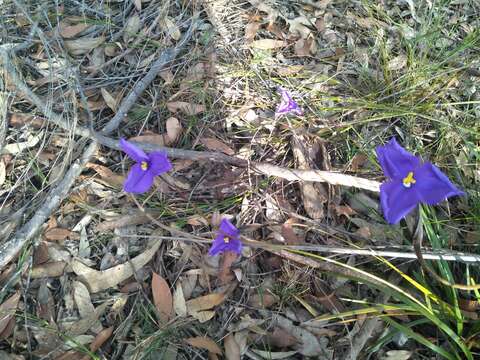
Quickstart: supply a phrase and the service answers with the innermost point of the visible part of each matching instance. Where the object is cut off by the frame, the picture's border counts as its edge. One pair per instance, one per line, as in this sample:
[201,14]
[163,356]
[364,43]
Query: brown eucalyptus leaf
[203,342]
[216,145]
[232,350]
[162,297]
[68,31]
[205,302]
[7,310]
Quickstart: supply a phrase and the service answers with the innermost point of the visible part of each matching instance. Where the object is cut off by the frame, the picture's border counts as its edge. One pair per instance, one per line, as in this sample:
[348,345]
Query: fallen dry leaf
[216,145]
[81,326]
[314,195]
[154,139]
[277,355]
[50,269]
[205,302]
[174,129]
[179,304]
[125,220]
[57,234]
[167,76]
[203,316]
[203,342]
[262,301]
[232,350]
[84,304]
[291,238]
[344,210]
[132,27]
[40,254]
[20,119]
[267,44]
[300,25]
[16,148]
[69,31]
[185,107]
[225,272]
[100,339]
[109,99]
[7,310]
[251,30]
[169,26]
[162,297]
[8,331]
[101,280]
[84,45]
[107,175]
[281,338]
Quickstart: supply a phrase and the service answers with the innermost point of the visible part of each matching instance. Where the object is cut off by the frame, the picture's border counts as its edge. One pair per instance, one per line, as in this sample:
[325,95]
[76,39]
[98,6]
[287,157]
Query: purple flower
[287,105]
[410,182]
[227,239]
[140,177]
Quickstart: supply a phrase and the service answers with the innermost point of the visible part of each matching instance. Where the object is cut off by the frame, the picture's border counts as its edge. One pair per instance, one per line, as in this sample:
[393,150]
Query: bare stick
[10,248]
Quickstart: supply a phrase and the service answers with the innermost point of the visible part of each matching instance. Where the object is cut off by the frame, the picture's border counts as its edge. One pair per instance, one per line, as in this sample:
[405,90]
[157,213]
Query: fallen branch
[10,249]
[330,177]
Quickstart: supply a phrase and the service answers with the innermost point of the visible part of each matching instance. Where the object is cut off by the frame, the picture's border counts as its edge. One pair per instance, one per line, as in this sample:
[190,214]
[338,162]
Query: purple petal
[396,162]
[235,245]
[219,245]
[227,228]
[133,151]
[158,163]
[432,185]
[397,200]
[138,180]
[287,104]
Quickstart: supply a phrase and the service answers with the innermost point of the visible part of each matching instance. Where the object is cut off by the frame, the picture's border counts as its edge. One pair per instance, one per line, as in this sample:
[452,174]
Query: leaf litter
[99,282]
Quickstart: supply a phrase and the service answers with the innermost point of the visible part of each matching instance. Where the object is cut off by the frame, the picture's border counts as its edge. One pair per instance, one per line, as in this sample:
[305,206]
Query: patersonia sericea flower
[287,105]
[227,239]
[410,182]
[141,175]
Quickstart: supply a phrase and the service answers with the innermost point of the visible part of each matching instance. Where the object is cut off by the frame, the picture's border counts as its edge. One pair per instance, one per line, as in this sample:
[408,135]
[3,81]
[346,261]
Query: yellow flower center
[144,165]
[226,239]
[409,180]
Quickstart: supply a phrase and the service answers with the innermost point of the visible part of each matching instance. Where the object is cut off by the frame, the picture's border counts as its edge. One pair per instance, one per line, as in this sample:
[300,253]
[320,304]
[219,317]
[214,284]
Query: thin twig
[10,249]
